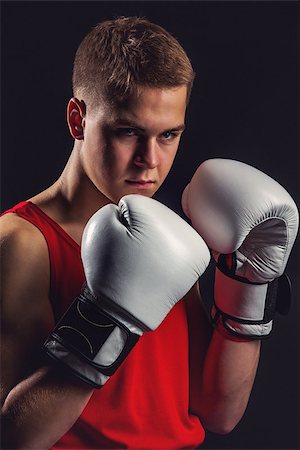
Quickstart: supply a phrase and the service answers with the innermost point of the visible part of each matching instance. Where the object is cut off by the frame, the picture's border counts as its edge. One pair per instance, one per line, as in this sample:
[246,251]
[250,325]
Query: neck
[76,190]
[73,197]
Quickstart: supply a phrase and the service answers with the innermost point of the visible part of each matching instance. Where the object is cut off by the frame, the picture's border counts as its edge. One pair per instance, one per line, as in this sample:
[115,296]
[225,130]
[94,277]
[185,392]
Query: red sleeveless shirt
[145,404]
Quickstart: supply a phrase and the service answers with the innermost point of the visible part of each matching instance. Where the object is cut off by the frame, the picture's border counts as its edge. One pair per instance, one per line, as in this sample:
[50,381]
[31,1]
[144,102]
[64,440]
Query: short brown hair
[120,55]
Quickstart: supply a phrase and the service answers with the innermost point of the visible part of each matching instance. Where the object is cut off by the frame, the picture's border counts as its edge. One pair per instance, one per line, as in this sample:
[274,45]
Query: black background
[243,106]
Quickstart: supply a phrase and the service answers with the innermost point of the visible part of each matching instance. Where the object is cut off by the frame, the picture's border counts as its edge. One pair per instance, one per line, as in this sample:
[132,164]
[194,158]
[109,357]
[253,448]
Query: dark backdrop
[243,107]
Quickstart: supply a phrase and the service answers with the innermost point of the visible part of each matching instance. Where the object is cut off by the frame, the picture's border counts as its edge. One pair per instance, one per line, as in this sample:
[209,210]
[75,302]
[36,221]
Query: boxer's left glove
[250,222]
[140,258]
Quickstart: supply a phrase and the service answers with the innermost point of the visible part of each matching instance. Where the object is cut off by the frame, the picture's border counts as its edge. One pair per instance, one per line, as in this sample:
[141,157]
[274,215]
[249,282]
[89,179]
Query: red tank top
[145,404]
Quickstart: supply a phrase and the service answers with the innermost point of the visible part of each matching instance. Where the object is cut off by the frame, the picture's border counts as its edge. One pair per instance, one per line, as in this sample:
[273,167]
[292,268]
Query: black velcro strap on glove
[83,330]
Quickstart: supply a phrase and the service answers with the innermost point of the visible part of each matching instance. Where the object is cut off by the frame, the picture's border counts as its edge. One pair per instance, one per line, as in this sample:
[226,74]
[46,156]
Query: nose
[146,155]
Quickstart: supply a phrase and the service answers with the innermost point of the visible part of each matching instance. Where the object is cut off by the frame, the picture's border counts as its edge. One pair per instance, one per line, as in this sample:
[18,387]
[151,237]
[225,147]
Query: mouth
[140,183]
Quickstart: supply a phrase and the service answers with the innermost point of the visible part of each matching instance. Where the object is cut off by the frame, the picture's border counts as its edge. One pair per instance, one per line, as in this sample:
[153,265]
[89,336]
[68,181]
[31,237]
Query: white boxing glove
[140,258]
[250,222]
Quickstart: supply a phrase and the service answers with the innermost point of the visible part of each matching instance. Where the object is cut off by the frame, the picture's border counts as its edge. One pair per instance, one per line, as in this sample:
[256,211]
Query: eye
[126,132]
[169,135]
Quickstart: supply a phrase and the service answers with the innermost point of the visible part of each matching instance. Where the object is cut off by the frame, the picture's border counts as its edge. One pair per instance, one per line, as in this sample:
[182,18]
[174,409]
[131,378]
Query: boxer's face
[131,149]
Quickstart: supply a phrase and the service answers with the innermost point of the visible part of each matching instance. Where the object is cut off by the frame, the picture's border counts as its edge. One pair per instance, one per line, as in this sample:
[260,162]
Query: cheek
[167,159]
[115,160]
[95,157]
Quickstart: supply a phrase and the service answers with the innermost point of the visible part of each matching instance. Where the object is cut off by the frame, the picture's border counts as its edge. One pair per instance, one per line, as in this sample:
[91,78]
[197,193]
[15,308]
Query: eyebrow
[131,124]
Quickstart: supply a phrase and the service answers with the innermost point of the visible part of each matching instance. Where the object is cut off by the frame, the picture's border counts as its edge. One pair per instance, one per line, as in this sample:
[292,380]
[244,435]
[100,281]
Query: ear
[76,118]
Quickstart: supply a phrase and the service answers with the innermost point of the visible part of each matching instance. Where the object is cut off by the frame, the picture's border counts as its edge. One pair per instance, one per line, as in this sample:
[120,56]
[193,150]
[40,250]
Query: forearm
[42,408]
[228,376]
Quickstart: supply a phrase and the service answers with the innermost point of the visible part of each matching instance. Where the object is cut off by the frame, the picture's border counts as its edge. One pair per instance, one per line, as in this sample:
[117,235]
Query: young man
[132,81]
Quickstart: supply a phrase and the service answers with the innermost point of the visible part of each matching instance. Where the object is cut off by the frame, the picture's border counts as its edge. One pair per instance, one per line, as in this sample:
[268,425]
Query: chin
[116,197]
[145,194]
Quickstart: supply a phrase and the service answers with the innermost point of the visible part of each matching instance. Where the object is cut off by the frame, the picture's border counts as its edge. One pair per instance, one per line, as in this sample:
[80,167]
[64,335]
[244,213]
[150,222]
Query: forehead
[151,105]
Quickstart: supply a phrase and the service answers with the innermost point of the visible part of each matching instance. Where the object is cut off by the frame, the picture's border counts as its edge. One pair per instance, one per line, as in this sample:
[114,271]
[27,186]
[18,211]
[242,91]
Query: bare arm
[39,403]
[228,372]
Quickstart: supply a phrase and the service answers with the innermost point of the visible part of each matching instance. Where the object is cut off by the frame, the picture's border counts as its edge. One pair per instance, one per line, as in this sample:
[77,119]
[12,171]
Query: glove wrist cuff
[239,300]
[247,310]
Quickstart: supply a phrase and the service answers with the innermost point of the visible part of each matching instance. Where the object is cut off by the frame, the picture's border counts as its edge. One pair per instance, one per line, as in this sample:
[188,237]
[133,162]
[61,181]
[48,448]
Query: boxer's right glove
[139,258]
[250,222]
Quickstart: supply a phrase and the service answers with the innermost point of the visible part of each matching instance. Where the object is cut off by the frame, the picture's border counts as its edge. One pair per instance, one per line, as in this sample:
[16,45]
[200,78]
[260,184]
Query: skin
[113,146]
[116,151]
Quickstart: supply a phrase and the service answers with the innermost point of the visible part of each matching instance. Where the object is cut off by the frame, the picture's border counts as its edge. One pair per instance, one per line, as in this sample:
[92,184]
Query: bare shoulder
[14,226]
[25,307]
[24,253]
